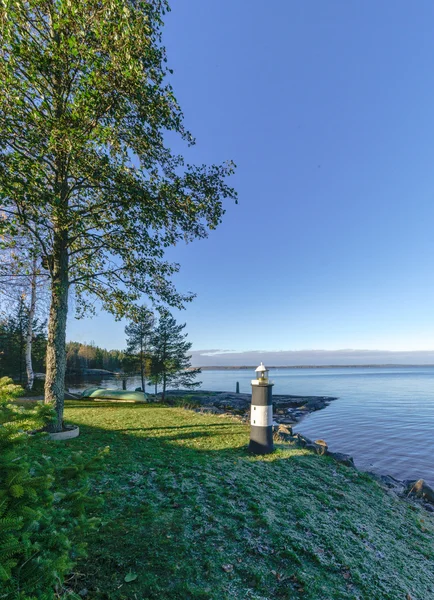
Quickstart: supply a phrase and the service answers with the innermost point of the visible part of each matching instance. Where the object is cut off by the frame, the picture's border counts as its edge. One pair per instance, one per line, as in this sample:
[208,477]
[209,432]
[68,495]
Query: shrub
[43,520]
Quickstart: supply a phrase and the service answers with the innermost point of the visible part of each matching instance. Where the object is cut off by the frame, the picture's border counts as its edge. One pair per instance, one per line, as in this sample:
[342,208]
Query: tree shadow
[208,436]
[87,403]
[182,499]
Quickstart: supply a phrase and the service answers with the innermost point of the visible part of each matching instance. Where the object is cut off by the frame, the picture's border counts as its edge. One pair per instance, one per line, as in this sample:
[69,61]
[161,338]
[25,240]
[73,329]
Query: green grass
[195,516]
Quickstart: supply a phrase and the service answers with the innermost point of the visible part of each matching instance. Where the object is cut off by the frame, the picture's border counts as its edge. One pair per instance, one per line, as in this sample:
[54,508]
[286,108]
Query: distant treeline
[13,328]
[88,356]
[156,350]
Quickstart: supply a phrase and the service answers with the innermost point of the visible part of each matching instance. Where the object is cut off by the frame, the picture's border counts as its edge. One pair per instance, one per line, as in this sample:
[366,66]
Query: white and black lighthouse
[261,413]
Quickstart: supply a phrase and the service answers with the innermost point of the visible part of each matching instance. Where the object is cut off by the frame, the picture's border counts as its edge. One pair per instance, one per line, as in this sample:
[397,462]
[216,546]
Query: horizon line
[216,352]
[349,366]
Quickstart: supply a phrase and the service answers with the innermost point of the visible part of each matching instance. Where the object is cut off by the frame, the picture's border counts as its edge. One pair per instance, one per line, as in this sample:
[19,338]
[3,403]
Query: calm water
[384,417]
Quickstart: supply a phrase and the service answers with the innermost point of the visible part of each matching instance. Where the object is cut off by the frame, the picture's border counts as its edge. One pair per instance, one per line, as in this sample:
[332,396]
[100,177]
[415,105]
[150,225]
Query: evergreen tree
[170,364]
[139,333]
[88,356]
[43,519]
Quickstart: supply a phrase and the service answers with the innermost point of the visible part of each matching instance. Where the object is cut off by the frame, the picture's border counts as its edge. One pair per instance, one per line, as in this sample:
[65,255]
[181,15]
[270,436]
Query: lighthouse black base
[261,440]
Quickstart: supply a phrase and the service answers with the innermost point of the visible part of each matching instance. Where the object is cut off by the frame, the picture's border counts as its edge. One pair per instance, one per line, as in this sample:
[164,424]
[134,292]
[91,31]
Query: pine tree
[139,333]
[170,362]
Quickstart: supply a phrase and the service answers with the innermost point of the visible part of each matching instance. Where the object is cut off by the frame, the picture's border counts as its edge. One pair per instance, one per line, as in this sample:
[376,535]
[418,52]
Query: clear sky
[327,108]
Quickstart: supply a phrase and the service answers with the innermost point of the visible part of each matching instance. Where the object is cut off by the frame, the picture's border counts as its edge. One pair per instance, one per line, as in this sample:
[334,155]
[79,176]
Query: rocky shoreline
[288,411]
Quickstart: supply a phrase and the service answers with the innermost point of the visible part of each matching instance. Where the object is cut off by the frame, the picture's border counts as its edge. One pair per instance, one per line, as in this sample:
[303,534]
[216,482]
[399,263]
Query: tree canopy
[85,170]
[84,108]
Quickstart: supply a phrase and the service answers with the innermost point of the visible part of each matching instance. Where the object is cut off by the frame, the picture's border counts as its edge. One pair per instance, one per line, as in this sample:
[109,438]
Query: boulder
[285,429]
[320,447]
[390,481]
[310,447]
[301,440]
[344,459]
[210,410]
[420,489]
[282,433]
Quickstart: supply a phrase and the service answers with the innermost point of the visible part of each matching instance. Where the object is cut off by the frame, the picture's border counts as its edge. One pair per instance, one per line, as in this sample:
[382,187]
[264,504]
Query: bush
[43,520]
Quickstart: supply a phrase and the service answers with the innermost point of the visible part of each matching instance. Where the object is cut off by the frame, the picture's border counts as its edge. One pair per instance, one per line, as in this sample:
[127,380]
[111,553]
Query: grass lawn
[193,515]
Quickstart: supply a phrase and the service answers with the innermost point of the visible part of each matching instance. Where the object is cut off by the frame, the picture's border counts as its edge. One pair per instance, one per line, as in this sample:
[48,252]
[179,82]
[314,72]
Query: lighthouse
[261,413]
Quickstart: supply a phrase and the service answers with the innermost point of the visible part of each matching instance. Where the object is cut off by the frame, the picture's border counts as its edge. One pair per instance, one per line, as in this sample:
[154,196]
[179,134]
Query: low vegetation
[189,514]
[43,522]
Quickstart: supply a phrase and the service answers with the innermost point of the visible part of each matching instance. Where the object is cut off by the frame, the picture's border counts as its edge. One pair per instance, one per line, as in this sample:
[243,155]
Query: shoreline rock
[288,409]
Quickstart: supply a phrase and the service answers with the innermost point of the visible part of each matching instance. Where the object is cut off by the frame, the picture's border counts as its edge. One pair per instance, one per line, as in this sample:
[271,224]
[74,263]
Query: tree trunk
[144,370]
[56,343]
[29,336]
[22,343]
[164,364]
[155,388]
[142,373]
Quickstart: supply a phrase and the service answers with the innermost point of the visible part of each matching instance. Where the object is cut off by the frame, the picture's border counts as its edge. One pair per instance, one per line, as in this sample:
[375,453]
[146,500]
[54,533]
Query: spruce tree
[43,522]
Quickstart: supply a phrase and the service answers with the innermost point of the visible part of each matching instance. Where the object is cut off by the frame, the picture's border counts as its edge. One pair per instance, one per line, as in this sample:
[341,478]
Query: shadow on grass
[174,427]
[87,403]
[174,431]
[195,516]
[164,484]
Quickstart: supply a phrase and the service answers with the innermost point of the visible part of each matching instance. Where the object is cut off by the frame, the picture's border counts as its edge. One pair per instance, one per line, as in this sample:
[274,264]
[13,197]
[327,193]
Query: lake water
[383,417]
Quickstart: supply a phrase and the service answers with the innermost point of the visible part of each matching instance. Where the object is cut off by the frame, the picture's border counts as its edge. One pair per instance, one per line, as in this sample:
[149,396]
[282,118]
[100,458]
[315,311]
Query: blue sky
[327,108]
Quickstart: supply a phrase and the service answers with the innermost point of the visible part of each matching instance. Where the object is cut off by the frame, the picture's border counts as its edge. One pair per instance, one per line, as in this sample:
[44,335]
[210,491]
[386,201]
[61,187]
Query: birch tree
[22,282]
[85,168]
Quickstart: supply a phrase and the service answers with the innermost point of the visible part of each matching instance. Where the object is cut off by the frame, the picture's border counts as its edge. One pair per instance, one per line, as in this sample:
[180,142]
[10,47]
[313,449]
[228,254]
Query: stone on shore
[282,433]
[321,447]
[420,489]
[344,459]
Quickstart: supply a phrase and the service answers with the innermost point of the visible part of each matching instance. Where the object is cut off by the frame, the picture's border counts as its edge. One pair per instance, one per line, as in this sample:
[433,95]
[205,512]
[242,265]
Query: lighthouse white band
[261,416]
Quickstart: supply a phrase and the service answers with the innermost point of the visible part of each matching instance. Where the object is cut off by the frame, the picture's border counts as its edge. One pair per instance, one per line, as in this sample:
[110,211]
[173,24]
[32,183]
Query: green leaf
[130,576]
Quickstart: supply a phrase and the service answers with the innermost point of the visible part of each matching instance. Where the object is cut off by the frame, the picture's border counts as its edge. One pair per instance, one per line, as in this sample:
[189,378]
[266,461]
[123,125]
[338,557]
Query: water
[384,417]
